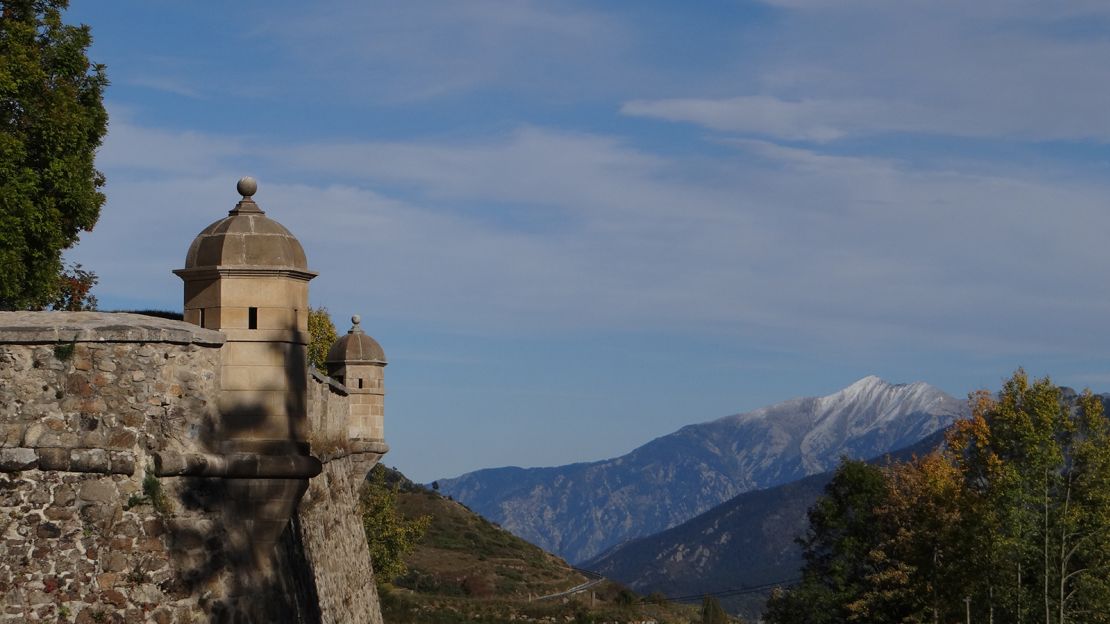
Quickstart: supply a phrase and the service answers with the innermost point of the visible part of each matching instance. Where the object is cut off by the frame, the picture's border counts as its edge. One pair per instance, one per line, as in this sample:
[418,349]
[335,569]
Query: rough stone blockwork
[89,533]
[330,530]
[71,551]
[82,538]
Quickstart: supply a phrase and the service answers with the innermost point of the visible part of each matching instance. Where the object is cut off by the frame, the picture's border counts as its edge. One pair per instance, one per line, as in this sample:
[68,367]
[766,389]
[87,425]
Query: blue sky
[575,227]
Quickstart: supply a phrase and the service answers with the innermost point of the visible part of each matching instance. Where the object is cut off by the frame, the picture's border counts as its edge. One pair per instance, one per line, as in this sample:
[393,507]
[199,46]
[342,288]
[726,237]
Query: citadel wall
[328,523]
[116,504]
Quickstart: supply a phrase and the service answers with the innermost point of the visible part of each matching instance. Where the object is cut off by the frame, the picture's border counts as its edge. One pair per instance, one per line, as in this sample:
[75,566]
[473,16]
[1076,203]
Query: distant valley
[579,511]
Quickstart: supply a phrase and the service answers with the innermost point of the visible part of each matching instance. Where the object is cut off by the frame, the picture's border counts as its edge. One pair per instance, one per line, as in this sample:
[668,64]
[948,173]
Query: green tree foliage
[321,336]
[52,121]
[1014,517]
[836,549]
[390,535]
[712,613]
[1040,468]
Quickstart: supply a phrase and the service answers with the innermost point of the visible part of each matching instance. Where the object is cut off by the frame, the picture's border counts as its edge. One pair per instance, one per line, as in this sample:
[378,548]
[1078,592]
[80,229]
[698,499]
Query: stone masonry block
[122,463]
[98,491]
[89,460]
[253,353]
[53,458]
[12,459]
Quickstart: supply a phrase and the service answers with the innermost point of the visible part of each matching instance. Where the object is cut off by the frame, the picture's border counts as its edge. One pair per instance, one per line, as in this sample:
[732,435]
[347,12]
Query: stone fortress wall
[133,490]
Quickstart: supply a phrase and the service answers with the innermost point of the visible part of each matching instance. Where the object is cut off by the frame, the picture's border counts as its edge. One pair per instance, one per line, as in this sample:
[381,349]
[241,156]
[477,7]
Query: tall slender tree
[1041,465]
[919,571]
[321,336]
[390,536]
[52,120]
[712,612]
[838,550]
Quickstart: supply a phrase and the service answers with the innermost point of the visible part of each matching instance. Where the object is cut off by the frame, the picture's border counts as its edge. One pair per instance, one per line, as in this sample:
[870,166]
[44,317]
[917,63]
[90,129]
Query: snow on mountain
[580,510]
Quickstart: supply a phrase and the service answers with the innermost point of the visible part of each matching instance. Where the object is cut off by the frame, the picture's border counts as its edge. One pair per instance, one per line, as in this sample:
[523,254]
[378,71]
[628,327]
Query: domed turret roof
[356,346]
[246,238]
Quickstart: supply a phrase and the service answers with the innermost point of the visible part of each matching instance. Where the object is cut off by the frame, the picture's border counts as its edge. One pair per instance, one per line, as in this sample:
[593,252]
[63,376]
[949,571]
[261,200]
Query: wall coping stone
[334,385]
[68,327]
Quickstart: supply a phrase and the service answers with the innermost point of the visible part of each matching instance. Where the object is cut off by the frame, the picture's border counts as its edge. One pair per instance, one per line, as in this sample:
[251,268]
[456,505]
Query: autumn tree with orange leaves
[1009,523]
[1036,471]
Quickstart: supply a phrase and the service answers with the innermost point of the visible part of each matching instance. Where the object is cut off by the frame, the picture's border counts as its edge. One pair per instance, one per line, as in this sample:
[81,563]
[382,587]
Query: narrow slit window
[360,383]
[202,317]
[252,318]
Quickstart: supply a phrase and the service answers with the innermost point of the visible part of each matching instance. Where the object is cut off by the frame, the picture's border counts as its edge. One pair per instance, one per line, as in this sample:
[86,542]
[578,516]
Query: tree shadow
[235,541]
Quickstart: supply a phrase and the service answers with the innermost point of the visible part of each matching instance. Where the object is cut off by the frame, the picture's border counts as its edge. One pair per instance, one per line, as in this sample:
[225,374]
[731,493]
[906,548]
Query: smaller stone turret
[358,362]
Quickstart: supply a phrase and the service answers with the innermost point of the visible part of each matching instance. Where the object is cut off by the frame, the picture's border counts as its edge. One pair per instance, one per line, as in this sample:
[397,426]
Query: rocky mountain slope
[745,542]
[579,510]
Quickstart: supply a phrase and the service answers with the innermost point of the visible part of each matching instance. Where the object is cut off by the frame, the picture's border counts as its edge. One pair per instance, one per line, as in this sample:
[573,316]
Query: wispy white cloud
[129,147]
[810,120]
[958,8]
[167,84]
[1019,71]
[779,245]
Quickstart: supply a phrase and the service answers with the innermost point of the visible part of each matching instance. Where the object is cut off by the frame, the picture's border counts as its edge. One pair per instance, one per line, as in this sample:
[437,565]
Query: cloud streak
[1002,70]
[781,246]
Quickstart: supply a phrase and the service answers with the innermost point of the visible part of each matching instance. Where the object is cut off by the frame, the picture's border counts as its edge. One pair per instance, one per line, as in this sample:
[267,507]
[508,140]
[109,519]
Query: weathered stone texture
[98,398]
[81,547]
[89,534]
[328,416]
[80,540]
[331,530]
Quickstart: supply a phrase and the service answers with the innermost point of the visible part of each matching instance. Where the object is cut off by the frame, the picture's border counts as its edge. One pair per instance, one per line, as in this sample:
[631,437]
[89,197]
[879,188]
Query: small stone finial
[356,319]
[356,328]
[247,187]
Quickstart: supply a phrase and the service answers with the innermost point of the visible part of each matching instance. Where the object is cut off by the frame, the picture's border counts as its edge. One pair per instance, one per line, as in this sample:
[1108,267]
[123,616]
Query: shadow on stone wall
[236,541]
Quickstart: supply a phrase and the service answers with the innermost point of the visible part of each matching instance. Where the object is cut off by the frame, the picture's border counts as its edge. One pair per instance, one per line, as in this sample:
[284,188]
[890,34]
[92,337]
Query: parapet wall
[95,528]
[328,522]
[328,414]
[93,395]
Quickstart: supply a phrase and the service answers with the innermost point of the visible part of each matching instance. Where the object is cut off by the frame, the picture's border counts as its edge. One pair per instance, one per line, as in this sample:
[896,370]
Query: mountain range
[580,510]
[746,542]
[741,547]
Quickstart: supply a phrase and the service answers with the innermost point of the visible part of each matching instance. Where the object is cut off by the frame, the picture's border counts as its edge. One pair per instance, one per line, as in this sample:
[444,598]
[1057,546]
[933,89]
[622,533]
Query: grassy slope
[470,570]
[463,554]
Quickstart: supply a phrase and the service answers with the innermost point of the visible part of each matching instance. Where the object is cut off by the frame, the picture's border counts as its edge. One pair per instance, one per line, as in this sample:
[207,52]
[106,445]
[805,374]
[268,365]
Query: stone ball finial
[247,186]
[356,328]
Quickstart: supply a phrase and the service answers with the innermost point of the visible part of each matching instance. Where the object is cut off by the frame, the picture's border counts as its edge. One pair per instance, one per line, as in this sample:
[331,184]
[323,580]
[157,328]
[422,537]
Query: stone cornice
[70,327]
[244,271]
[236,465]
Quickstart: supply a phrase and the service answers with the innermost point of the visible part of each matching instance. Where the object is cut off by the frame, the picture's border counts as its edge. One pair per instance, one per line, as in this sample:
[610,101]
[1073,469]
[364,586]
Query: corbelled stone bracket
[236,465]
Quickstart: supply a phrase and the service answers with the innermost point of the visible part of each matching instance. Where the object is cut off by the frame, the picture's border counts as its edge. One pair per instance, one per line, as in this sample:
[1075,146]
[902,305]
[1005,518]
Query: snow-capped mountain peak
[579,510]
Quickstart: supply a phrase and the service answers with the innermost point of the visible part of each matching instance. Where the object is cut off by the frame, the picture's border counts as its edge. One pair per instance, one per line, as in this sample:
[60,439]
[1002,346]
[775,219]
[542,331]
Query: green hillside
[467,569]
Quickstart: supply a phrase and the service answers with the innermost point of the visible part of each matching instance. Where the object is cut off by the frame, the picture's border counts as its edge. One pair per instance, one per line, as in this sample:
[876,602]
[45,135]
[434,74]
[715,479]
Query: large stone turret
[246,276]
